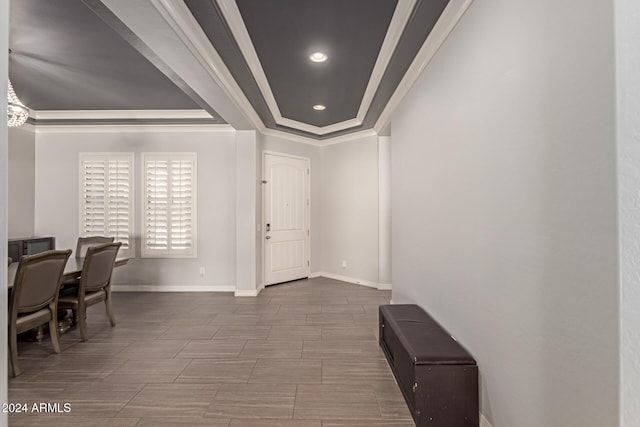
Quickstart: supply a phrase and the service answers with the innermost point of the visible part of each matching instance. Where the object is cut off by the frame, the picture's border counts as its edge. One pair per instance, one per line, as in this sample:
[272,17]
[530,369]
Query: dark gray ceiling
[64,57]
[285,32]
[77,55]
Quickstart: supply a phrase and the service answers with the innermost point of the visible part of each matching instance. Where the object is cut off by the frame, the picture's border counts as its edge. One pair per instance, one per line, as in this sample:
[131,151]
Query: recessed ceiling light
[319,107]
[318,57]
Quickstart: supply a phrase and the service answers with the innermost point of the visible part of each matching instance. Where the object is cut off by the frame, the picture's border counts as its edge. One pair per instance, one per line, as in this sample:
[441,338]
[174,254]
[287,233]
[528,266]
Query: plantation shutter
[119,201]
[106,197]
[93,198]
[169,211]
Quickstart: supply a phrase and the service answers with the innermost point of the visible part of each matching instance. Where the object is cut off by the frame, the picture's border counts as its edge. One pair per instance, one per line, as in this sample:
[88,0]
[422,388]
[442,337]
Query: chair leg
[107,303]
[82,322]
[53,330]
[13,351]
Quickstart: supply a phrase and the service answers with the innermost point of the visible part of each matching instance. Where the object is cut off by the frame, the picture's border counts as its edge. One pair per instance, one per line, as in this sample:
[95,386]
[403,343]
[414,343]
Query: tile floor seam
[336,323]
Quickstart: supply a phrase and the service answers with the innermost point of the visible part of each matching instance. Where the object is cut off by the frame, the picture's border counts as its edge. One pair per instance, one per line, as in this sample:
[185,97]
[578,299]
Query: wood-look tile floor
[302,354]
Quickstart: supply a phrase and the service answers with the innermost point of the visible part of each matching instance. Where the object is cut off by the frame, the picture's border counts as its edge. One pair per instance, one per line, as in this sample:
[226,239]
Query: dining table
[71,271]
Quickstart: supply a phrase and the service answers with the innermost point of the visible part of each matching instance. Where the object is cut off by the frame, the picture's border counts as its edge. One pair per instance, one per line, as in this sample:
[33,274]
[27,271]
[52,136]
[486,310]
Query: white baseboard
[354,280]
[242,293]
[179,288]
[484,422]
[171,288]
[247,293]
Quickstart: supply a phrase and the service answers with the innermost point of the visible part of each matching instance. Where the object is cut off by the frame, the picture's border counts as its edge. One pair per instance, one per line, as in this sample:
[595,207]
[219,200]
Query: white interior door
[286,218]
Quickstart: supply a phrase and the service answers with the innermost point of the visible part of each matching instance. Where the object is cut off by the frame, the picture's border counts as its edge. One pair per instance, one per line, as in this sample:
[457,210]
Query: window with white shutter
[169,211]
[106,197]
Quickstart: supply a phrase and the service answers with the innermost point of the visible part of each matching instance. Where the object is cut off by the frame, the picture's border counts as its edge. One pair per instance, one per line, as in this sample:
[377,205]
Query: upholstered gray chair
[85,243]
[71,286]
[95,285]
[34,298]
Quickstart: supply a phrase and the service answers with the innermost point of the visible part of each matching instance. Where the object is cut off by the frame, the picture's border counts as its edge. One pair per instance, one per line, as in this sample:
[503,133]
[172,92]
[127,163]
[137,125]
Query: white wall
[246,169]
[504,206]
[21,176]
[344,206]
[349,209]
[57,198]
[259,236]
[628,70]
[384,211]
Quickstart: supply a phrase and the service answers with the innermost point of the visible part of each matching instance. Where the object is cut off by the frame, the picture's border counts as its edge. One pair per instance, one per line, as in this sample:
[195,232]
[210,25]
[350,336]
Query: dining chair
[71,286]
[34,298]
[85,243]
[95,285]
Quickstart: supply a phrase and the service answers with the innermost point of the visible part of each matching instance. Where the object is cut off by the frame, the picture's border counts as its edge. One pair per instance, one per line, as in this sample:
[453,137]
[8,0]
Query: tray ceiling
[249,60]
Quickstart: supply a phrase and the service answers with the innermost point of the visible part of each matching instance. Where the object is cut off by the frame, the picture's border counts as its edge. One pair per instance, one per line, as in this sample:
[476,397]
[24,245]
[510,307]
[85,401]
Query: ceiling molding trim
[291,137]
[234,19]
[120,114]
[401,16]
[445,25]
[109,18]
[187,29]
[305,127]
[232,15]
[141,128]
[309,141]
[350,137]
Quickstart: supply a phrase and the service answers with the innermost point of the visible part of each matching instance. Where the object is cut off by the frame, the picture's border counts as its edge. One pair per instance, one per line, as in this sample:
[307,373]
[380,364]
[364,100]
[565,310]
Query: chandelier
[17,112]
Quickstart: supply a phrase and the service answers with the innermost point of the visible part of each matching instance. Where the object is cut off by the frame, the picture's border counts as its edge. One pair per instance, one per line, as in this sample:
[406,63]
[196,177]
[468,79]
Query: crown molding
[119,114]
[319,143]
[401,16]
[445,25]
[182,23]
[350,137]
[189,32]
[139,128]
[123,120]
[291,137]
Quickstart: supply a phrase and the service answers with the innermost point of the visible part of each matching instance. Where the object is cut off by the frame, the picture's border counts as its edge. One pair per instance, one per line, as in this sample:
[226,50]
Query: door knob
[267,237]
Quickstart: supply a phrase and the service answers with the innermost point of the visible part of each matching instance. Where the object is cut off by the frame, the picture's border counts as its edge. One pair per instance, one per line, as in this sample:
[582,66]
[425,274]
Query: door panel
[287,255]
[286,216]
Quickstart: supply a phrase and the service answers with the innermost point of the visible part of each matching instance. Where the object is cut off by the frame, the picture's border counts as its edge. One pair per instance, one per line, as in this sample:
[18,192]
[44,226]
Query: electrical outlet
[202,271]
[344,263]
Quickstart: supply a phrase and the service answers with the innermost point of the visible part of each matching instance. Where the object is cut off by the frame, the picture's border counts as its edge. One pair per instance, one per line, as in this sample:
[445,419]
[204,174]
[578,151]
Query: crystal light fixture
[17,112]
